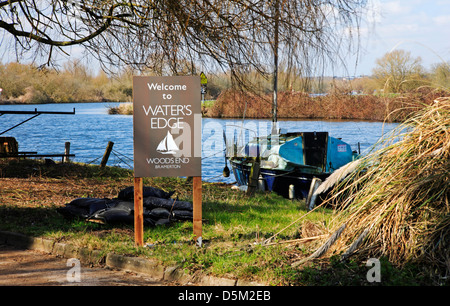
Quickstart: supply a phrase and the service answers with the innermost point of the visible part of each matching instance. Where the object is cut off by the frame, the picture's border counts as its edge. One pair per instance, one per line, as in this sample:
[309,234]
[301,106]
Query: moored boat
[287,163]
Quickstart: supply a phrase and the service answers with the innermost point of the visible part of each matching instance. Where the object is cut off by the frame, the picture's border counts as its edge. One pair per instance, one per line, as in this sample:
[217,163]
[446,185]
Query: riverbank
[234,227]
[298,105]
[73,82]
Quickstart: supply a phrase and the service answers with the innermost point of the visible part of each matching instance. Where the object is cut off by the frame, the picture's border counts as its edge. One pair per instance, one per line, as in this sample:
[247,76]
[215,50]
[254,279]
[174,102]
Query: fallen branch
[267,241]
[306,239]
[324,248]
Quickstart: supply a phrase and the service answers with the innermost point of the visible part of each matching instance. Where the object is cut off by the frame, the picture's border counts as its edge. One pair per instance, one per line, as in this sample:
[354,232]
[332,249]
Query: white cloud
[419,26]
[441,21]
[396,8]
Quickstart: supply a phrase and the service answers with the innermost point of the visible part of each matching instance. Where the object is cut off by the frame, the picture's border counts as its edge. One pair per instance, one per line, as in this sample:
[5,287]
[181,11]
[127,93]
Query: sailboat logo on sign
[167,145]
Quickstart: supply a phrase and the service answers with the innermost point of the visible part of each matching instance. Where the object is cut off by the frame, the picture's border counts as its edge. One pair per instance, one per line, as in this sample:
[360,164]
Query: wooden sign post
[197,203]
[138,211]
[167,138]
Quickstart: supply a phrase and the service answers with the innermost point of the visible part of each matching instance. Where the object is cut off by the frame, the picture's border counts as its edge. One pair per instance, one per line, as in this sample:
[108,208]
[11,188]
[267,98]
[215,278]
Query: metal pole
[275,72]
[35,113]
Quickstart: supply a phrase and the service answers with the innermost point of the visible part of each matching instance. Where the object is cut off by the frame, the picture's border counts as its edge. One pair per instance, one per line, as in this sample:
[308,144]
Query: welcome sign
[167,126]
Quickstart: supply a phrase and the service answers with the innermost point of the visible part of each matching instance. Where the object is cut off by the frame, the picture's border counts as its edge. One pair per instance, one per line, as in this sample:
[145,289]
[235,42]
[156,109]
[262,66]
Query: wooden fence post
[107,153]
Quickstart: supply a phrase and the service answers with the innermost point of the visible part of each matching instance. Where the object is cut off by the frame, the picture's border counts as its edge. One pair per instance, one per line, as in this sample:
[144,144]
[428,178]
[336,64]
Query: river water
[91,128]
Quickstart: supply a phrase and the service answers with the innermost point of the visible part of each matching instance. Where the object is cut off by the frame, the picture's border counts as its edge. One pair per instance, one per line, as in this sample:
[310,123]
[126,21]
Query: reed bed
[336,105]
[122,109]
[398,202]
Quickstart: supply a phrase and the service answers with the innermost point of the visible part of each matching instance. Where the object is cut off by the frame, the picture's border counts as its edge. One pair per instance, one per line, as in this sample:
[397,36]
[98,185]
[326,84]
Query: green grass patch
[208,103]
[233,228]
[234,224]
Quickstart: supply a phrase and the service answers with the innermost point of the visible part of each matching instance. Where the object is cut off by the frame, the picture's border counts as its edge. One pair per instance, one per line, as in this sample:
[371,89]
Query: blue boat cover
[338,152]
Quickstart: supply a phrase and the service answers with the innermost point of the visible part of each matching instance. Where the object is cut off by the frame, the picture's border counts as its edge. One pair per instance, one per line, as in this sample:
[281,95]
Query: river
[91,128]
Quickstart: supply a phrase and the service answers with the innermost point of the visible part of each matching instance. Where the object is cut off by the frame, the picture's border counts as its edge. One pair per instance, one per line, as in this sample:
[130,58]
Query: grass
[208,103]
[300,105]
[234,224]
[233,229]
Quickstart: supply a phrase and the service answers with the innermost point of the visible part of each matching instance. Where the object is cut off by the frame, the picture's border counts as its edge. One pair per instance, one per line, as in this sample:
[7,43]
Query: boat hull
[289,162]
[276,180]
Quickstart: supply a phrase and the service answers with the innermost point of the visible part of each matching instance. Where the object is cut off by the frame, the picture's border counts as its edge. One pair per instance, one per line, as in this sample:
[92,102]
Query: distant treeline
[75,82]
[23,83]
[375,97]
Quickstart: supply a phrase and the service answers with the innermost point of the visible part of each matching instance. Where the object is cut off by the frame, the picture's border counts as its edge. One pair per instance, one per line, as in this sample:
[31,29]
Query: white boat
[167,145]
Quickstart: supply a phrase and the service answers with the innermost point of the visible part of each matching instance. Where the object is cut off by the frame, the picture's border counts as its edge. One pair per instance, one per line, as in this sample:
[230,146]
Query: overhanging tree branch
[163,35]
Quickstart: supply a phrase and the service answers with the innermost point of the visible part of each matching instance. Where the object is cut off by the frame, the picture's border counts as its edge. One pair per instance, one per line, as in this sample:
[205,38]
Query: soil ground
[20,267]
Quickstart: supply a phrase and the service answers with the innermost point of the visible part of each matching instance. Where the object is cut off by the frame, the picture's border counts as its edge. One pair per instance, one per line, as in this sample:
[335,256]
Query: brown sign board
[167,126]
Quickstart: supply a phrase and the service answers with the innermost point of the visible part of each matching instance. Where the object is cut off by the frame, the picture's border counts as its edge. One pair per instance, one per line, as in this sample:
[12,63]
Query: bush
[28,84]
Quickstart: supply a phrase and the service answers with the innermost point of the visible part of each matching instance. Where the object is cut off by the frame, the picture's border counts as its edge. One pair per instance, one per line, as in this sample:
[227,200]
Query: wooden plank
[197,205]
[138,211]
[16,154]
[36,155]
[300,240]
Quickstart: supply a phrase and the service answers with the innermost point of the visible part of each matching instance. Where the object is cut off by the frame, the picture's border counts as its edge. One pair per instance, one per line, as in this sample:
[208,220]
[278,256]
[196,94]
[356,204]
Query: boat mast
[275,72]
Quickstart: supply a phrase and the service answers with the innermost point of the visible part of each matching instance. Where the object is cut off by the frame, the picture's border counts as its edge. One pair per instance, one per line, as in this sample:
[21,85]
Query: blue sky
[418,26]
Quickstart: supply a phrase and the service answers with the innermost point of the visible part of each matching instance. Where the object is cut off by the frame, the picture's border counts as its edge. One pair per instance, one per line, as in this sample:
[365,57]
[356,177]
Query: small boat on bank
[287,163]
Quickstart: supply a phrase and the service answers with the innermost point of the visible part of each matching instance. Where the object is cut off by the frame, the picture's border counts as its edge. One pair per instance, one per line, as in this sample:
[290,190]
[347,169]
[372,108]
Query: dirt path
[32,268]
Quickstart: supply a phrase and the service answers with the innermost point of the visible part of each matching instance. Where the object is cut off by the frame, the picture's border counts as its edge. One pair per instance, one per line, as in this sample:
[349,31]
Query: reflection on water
[91,128]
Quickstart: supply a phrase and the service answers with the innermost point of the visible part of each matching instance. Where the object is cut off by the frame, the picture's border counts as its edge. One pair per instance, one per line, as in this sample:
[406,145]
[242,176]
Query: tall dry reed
[401,195]
[299,105]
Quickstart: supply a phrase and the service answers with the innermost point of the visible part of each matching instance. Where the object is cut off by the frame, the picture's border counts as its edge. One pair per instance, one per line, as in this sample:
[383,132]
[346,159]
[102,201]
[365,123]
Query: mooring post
[311,199]
[107,153]
[66,152]
[254,175]
[291,192]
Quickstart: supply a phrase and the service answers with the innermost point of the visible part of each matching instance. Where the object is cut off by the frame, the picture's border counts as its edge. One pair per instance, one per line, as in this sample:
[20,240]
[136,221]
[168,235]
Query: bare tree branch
[167,36]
